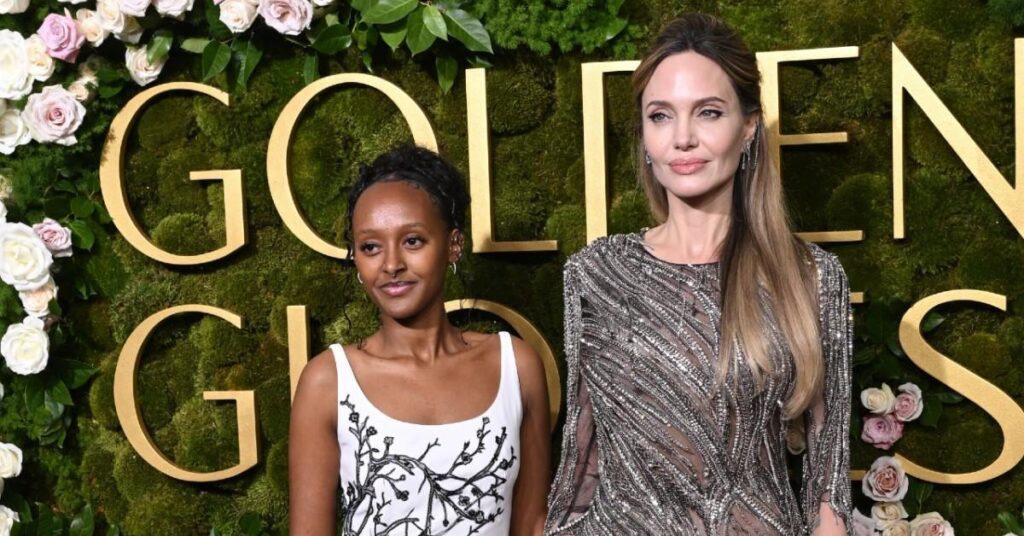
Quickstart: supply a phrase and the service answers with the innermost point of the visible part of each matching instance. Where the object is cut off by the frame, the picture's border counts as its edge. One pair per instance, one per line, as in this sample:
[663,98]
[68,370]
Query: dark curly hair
[421,167]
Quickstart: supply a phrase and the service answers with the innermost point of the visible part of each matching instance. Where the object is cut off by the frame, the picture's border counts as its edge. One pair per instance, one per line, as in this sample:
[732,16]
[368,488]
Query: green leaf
[250,57]
[82,207]
[931,321]
[333,39]
[216,56]
[160,46]
[109,90]
[82,524]
[81,235]
[394,34]
[468,30]
[218,30]
[949,398]
[447,68]
[113,530]
[893,344]
[49,524]
[418,39]
[917,494]
[194,45]
[888,367]
[65,185]
[361,5]
[250,524]
[614,28]
[76,373]
[1010,523]
[60,394]
[388,11]
[311,68]
[931,412]
[331,19]
[864,356]
[433,20]
[20,505]
[368,60]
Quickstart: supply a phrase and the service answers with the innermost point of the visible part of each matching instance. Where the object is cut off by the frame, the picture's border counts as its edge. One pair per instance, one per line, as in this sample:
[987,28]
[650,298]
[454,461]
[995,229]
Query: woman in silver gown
[694,348]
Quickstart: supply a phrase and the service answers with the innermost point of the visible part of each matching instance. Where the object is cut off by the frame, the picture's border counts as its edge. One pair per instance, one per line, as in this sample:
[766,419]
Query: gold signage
[130,417]
[281,137]
[480,174]
[116,199]
[1009,199]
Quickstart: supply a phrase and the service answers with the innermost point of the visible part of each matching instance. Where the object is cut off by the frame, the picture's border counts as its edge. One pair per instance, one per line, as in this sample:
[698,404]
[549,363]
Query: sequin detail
[649,446]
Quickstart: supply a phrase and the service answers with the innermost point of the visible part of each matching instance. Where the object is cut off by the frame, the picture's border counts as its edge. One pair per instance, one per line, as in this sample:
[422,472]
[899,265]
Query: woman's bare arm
[529,507]
[313,450]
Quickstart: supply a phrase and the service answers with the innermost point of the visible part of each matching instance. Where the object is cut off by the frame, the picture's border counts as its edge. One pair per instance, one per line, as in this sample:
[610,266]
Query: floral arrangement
[55,112]
[886,483]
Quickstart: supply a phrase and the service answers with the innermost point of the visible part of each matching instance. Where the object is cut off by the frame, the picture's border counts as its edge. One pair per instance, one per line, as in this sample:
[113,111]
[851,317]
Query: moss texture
[956,235]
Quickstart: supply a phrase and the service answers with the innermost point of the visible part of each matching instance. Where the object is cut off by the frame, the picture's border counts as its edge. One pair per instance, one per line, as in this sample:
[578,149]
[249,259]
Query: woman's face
[693,128]
[402,248]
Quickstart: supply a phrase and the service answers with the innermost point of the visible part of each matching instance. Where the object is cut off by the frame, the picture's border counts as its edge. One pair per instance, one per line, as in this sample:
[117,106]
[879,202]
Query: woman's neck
[424,338]
[694,230]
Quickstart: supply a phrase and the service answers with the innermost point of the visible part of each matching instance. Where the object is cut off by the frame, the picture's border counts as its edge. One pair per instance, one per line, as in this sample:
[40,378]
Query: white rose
[40,63]
[930,524]
[24,260]
[289,17]
[82,89]
[13,131]
[238,15]
[91,26]
[15,71]
[25,347]
[139,67]
[53,116]
[10,460]
[37,302]
[878,401]
[322,3]
[131,33]
[1,398]
[72,2]
[7,519]
[109,14]
[909,403]
[135,8]
[900,527]
[3,218]
[173,8]
[884,513]
[13,6]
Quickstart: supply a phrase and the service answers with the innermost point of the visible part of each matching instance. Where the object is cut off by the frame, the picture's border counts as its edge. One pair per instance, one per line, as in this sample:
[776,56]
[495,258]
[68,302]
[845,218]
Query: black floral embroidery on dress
[454,499]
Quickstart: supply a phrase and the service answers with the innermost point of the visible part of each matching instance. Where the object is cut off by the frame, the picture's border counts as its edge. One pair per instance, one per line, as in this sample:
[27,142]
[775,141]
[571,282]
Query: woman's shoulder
[830,270]
[604,249]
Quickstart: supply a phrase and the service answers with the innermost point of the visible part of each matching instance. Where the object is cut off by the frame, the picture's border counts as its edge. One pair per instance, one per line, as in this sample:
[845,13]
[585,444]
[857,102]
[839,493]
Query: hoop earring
[359,278]
[455,268]
[647,158]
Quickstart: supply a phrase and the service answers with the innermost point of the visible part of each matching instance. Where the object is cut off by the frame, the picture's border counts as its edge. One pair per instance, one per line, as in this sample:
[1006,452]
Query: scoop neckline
[472,420]
[642,244]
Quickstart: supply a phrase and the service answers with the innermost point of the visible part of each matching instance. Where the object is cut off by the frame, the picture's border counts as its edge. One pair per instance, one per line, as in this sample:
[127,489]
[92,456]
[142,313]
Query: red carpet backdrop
[175,172]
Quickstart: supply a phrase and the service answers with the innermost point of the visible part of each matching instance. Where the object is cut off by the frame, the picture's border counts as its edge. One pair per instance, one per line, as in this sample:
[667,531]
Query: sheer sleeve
[826,464]
[578,474]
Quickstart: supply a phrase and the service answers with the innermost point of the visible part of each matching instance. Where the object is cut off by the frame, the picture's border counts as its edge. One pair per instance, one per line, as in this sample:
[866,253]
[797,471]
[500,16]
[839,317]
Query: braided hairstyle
[422,168]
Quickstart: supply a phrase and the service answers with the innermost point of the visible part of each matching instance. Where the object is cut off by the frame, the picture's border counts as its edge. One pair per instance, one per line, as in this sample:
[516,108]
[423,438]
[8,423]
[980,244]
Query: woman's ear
[455,245]
[750,127]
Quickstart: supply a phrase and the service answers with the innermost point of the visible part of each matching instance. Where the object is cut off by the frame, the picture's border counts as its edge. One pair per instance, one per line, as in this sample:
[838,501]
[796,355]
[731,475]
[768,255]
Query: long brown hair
[759,250]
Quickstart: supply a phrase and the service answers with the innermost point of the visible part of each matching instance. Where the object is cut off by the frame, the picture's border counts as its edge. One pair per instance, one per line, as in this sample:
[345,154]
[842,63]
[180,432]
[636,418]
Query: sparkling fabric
[650,446]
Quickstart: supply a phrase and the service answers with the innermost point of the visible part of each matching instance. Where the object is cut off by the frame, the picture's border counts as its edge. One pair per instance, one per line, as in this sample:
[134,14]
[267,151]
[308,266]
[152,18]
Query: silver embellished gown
[649,447]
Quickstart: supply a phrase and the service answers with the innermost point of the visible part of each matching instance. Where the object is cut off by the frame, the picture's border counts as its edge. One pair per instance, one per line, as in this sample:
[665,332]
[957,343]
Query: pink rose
[289,17]
[909,403]
[61,35]
[885,481]
[881,430]
[53,116]
[56,237]
[930,524]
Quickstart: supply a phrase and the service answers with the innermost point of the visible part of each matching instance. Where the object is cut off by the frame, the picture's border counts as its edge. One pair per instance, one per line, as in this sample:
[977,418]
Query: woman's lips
[687,166]
[396,288]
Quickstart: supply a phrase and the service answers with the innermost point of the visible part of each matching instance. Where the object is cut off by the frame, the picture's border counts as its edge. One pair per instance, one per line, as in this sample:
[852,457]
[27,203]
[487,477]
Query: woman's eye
[711,113]
[414,241]
[657,117]
[368,247]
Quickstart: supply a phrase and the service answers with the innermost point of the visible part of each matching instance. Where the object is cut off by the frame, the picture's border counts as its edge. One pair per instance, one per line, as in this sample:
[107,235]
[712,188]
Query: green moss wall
[957,238]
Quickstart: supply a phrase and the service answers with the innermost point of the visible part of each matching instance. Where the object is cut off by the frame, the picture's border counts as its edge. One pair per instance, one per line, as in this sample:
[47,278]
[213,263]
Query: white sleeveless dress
[401,478]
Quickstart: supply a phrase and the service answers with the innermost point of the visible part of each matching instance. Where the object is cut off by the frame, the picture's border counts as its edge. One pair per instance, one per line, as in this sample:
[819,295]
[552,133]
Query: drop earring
[745,155]
[647,158]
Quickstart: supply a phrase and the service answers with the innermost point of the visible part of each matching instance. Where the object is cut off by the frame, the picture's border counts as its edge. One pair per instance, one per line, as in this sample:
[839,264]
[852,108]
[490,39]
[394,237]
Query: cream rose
[82,89]
[900,527]
[53,116]
[878,401]
[40,63]
[238,15]
[131,33]
[110,16]
[37,302]
[135,8]
[173,8]
[26,347]
[15,71]
[885,513]
[91,26]
[139,67]
[930,524]
[8,518]
[3,208]
[13,6]
[24,260]
[10,460]
[5,193]
[909,403]
[885,481]
[289,17]
[13,131]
